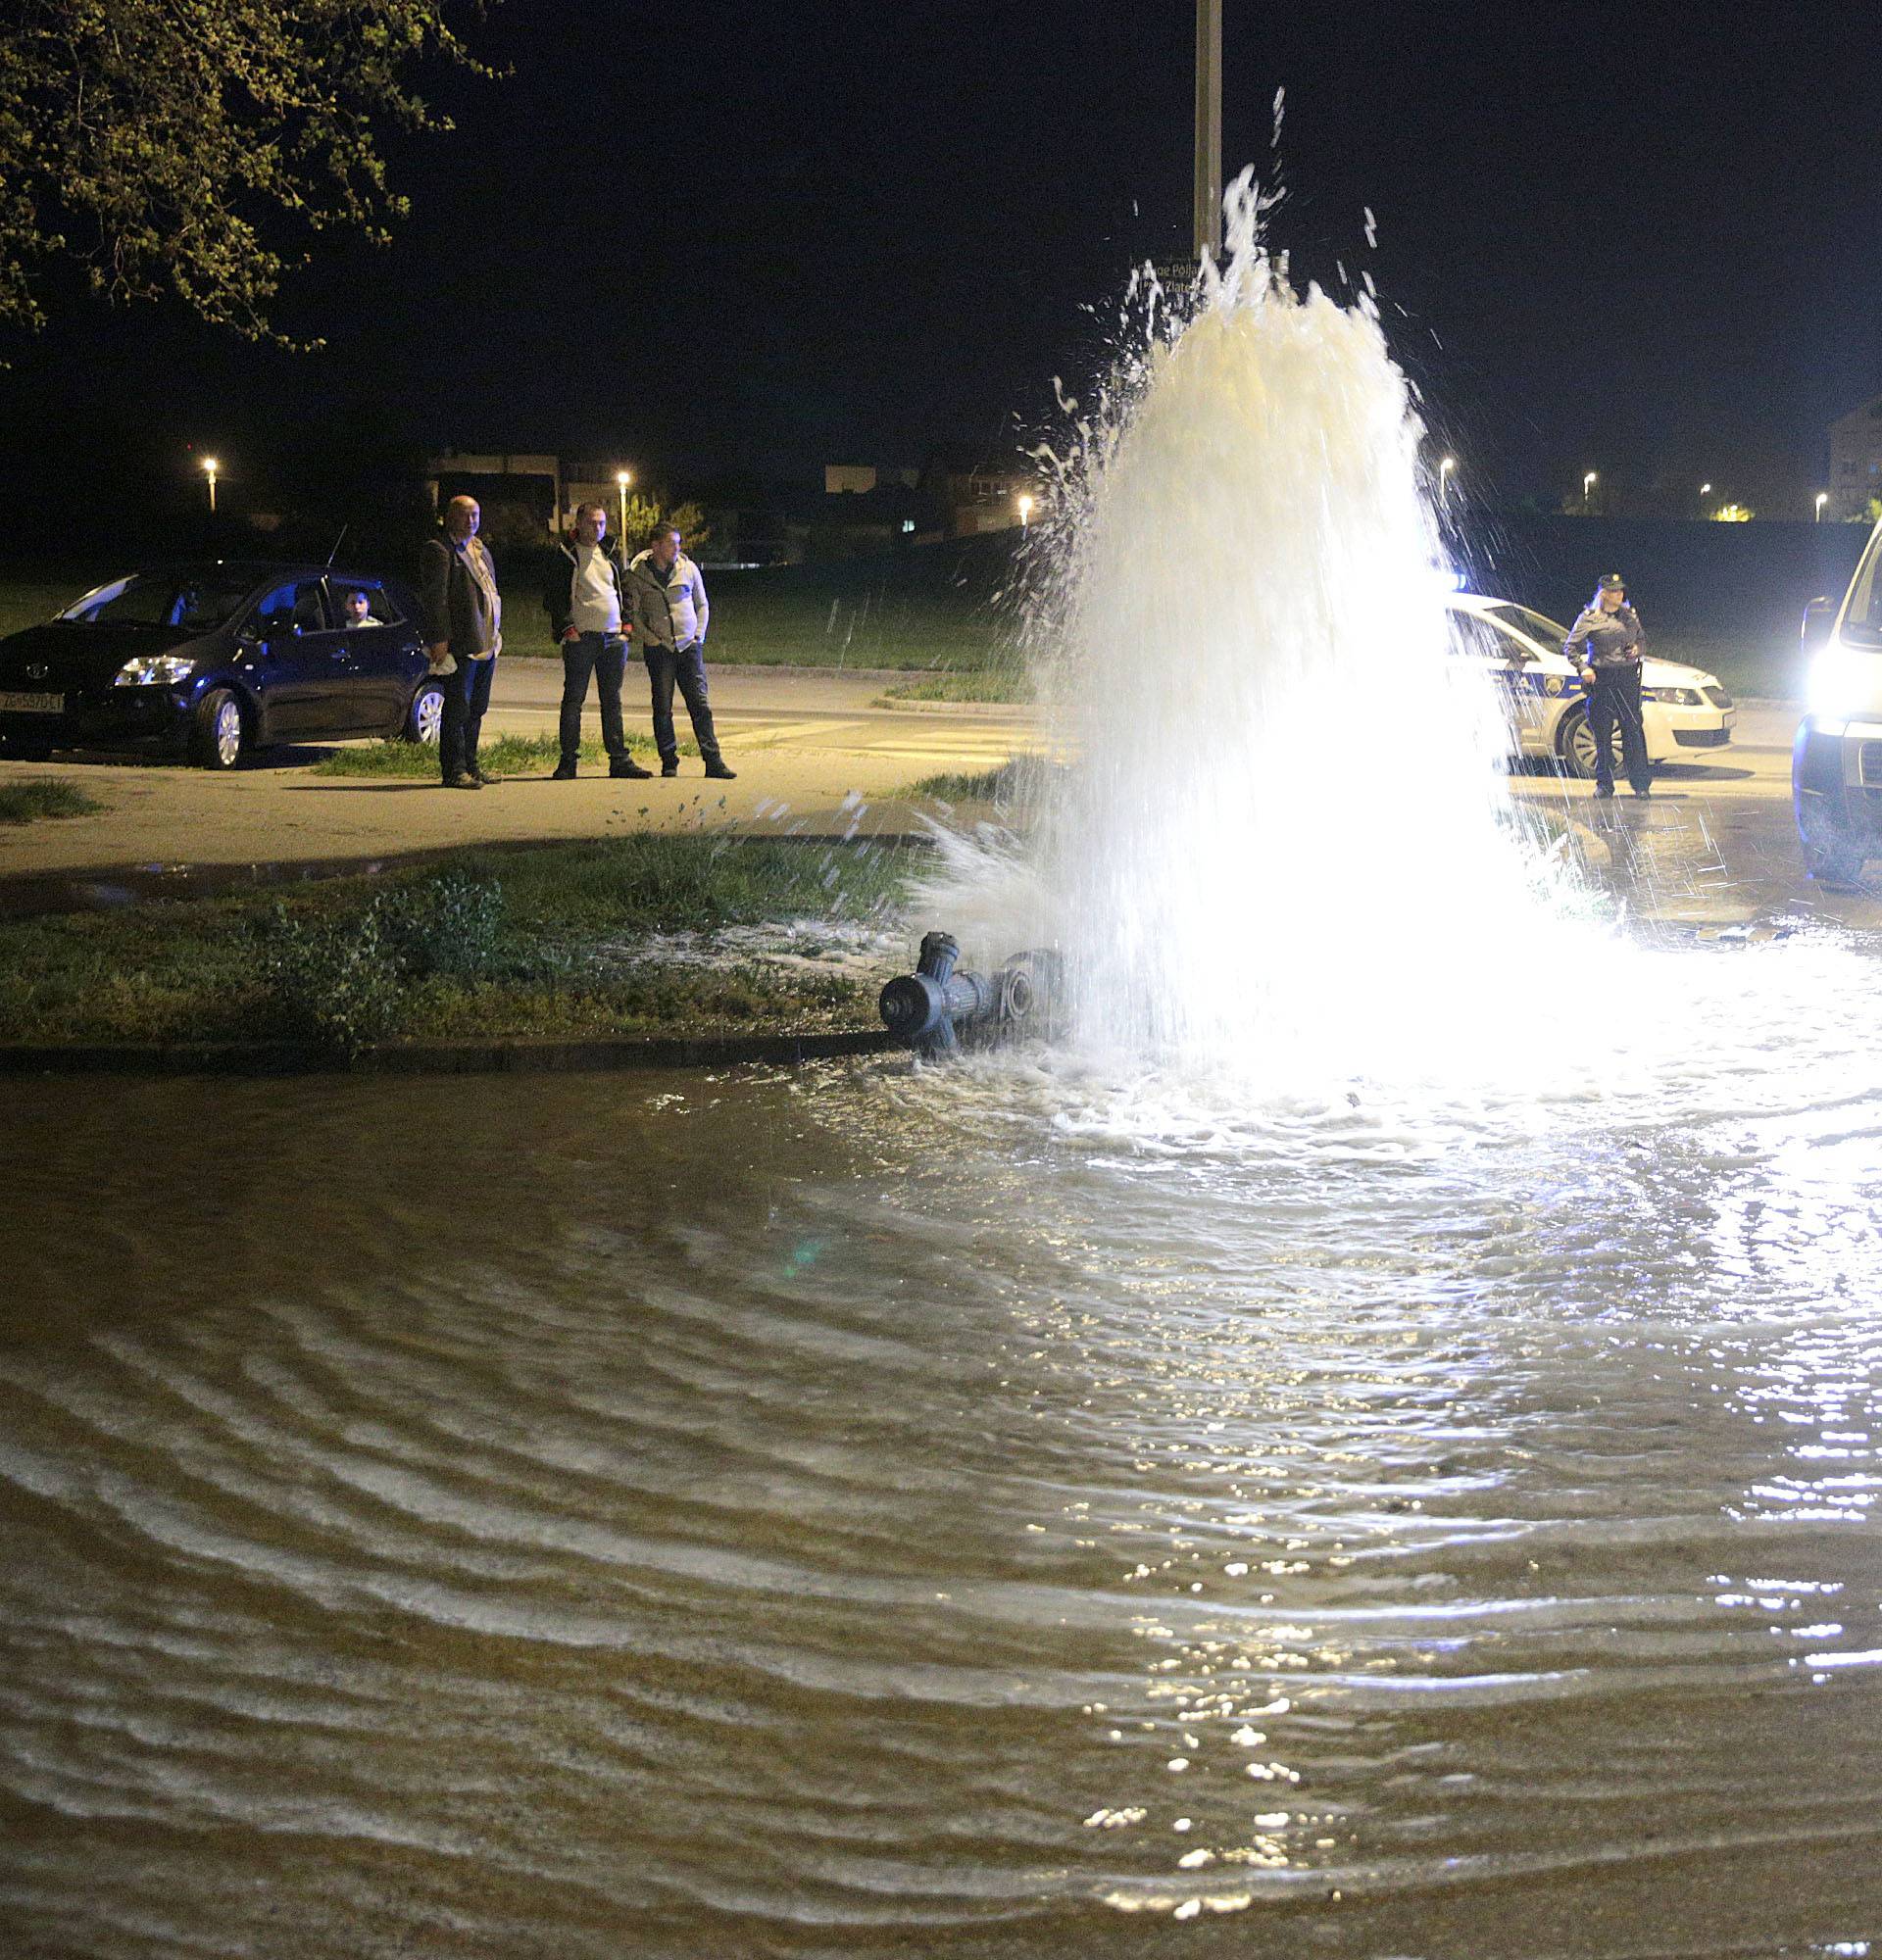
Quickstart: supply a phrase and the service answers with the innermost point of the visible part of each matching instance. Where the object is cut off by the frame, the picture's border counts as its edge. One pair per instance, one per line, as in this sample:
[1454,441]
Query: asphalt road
[818,751]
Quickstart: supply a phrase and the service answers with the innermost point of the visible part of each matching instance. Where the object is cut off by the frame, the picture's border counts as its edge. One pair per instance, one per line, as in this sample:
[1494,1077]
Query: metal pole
[1209,127]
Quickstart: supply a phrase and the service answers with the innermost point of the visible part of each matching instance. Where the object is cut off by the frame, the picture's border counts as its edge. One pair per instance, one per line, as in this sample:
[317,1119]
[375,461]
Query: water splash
[1278,841]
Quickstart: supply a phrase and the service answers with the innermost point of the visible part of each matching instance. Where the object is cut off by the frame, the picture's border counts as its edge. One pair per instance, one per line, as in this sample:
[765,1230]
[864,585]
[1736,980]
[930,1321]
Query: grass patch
[549,941]
[1019,778]
[501,755]
[28,801]
[990,684]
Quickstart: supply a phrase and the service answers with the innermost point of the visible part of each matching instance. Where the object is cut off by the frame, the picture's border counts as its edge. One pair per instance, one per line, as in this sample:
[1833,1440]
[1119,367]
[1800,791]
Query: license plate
[31,703]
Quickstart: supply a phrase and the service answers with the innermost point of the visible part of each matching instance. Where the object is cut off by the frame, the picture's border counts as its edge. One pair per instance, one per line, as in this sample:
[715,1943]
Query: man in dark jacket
[463,635]
[589,616]
[1605,643]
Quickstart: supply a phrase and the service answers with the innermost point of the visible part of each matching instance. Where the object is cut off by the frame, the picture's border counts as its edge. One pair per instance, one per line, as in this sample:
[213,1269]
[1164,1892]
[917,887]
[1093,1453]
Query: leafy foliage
[342,979]
[196,146]
[644,513]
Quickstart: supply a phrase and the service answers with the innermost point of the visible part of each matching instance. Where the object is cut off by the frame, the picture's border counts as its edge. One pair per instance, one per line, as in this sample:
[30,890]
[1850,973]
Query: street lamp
[1026,512]
[624,478]
[1822,498]
[209,468]
[1588,483]
[1445,468]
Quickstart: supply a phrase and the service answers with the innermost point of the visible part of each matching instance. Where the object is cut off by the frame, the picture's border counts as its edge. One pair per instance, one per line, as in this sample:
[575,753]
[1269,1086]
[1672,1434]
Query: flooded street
[881,1512]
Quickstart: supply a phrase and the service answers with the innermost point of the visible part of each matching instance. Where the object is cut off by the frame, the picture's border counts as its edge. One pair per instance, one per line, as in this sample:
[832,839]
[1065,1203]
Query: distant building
[529,486]
[1856,459]
[977,493]
[858,479]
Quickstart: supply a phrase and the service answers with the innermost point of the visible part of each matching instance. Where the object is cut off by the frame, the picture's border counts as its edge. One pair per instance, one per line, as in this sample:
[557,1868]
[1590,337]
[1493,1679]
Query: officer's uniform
[1611,644]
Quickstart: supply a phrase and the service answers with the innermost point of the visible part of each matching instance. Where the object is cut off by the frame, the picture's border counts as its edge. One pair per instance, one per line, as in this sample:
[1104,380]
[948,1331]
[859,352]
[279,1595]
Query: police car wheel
[1577,742]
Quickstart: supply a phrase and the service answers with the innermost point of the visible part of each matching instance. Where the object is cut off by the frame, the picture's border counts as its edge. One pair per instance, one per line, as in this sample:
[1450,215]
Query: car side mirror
[1820,621]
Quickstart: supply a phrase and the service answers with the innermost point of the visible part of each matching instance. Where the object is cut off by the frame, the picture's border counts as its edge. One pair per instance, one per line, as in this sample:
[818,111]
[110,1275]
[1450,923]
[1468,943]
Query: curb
[487,1058]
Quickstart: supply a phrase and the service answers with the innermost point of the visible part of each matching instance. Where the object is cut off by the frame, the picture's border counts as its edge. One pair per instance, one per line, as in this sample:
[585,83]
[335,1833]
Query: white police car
[1519,654]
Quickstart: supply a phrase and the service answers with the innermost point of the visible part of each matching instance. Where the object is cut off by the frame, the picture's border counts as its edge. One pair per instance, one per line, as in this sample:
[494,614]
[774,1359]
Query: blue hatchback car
[218,659]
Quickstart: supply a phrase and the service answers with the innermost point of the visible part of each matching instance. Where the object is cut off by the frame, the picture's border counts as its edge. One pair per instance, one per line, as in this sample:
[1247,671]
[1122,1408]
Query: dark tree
[195,147]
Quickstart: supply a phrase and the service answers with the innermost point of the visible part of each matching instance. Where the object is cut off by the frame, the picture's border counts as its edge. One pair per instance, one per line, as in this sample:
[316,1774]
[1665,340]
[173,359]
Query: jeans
[1617,699]
[466,694]
[605,655]
[687,667]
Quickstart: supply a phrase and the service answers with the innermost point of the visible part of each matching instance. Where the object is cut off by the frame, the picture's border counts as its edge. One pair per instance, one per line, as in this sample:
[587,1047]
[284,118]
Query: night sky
[755,238]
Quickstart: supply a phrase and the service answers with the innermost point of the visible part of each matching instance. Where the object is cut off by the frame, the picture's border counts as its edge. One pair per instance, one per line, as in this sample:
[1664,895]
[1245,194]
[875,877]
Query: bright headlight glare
[154,671]
[1841,682]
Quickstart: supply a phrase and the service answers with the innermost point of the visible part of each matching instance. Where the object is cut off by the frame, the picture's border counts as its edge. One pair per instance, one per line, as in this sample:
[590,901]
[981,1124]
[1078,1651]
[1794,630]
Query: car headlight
[1842,682]
[154,671]
[1674,697]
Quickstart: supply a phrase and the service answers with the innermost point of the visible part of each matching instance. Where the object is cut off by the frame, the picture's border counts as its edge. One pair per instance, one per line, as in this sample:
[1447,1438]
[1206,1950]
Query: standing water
[1371,1450]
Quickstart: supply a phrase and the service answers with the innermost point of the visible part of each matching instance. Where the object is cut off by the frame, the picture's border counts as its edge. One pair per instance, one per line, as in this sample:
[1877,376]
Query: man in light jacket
[588,615]
[670,616]
[463,635]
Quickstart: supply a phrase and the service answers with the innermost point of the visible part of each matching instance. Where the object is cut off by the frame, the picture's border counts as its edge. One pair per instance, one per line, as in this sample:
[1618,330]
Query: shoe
[1604,790]
[565,774]
[482,782]
[1643,789]
[717,770]
[626,766]
[669,768]
[462,783]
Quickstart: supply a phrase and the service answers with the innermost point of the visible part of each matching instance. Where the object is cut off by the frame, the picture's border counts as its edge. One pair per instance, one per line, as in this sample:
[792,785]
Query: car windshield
[1537,626]
[181,601]
[1863,617]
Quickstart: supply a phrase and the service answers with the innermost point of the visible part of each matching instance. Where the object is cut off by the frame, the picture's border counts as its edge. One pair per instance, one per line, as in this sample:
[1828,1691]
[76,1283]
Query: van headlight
[1674,697]
[1841,682]
[154,671]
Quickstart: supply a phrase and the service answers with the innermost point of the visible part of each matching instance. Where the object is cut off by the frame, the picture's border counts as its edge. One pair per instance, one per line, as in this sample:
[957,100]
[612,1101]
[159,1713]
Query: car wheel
[1578,743]
[1833,854]
[427,714]
[27,748]
[221,738]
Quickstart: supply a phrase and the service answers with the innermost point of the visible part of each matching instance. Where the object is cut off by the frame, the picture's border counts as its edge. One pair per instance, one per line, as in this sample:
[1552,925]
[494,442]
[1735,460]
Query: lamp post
[1445,468]
[209,470]
[1822,498]
[1588,483]
[624,478]
[1026,512]
[1208,209]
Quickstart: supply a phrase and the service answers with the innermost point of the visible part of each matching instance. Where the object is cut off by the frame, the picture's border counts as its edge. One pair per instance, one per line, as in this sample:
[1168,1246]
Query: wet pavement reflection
[875,1510]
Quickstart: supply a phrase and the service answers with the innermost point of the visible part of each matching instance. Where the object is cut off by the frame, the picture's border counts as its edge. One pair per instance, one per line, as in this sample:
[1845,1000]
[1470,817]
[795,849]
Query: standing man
[588,616]
[463,635]
[1605,643]
[669,614]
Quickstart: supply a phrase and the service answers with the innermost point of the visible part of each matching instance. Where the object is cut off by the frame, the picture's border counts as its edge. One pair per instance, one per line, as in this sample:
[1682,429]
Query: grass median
[557,940]
[42,797]
[501,755]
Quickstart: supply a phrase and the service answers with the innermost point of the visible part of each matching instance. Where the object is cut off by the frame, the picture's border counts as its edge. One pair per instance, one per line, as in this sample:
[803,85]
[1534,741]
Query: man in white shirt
[669,611]
[587,616]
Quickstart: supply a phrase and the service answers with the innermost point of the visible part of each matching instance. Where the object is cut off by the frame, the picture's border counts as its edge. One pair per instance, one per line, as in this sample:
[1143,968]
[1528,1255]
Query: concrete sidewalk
[812,750]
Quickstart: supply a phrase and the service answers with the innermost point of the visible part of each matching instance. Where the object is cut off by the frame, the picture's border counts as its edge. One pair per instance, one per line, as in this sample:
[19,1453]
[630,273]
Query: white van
[1684,711]
[1836,763]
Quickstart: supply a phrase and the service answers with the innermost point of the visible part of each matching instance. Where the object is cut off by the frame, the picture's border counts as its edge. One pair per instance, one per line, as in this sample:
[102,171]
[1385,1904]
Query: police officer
[1605,643]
